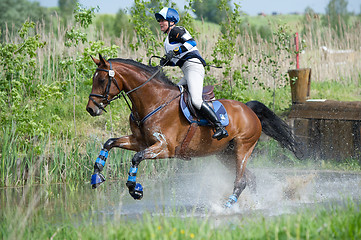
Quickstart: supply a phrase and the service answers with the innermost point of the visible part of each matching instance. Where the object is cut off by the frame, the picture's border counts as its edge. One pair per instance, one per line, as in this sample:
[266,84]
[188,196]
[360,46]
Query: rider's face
[163,25]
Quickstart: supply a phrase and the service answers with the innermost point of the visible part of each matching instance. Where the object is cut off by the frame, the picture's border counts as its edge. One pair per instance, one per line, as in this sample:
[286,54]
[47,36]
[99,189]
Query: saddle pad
[218,108]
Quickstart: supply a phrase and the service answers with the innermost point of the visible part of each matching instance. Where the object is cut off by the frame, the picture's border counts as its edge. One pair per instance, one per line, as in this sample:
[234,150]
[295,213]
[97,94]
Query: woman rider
[180,47]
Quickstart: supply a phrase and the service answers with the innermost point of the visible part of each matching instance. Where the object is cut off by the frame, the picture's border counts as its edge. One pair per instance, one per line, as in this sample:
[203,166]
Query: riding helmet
[168,14]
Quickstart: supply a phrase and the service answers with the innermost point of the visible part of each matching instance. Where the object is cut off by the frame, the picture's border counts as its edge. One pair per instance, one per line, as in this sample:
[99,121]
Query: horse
[159,128]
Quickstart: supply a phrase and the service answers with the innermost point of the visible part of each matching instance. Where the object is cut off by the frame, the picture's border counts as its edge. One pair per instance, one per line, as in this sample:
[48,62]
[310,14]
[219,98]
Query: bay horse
[159,127]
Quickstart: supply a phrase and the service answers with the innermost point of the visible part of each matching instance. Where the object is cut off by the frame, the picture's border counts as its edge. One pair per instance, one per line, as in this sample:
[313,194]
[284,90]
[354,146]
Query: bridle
[134,115]
[111,74]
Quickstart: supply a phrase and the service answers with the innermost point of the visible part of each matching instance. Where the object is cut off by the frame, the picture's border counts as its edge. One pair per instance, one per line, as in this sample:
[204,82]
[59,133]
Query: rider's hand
[169,55]
[163,61]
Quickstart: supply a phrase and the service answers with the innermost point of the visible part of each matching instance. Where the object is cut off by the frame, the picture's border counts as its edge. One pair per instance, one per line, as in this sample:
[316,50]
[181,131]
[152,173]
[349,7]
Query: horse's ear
[102,60]
[96,61]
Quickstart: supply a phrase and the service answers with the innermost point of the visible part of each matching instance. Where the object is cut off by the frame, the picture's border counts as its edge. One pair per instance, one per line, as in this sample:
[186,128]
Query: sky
[251,7]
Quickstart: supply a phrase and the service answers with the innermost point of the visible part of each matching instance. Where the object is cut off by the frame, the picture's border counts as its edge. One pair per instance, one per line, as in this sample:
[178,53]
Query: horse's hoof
[97,179]
[227,205]
[231,200]
[137,193]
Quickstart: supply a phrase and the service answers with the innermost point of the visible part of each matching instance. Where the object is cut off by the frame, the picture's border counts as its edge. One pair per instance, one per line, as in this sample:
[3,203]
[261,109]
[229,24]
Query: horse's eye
[99,78]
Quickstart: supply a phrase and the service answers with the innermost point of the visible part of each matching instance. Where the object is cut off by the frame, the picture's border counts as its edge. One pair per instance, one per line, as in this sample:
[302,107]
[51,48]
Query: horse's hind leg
[250,180]
[243,152]
[229,159]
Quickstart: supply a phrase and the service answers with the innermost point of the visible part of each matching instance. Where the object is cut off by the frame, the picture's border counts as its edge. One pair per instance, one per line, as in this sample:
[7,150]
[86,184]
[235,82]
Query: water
[188,193]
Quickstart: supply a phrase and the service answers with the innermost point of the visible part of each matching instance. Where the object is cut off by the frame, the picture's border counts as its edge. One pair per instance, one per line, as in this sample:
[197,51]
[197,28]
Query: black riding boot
[211,116]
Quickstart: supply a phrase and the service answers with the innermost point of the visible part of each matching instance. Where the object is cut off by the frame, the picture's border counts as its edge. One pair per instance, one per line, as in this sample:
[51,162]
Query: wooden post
[300,80]
[297,52]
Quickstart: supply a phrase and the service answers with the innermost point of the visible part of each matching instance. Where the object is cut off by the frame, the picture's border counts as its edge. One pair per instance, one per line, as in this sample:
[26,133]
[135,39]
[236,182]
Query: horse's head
[106,87]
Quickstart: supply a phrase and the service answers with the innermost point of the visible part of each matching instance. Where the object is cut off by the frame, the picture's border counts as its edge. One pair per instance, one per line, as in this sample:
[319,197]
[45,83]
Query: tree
[15,12]
[311,22]
[122,24]
[337,15]
[209,11]
[66,8]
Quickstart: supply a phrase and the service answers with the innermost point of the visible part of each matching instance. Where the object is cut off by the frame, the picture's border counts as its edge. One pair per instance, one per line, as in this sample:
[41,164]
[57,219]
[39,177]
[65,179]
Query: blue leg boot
[98,178]
[231,200]
[135,189]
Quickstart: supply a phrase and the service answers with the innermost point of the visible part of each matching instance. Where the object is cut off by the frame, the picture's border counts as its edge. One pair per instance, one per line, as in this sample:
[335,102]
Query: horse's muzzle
[94,111]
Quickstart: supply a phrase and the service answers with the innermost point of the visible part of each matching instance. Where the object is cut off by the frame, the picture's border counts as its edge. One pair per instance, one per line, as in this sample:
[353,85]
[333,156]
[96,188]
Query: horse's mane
[150,69]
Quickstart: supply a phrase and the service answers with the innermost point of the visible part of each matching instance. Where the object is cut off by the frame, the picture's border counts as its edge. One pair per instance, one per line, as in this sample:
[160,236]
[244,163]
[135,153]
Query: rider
[180,47]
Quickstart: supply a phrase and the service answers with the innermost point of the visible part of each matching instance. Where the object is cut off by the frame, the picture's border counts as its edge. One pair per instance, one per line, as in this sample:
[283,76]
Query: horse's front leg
[156,151]
[126,142]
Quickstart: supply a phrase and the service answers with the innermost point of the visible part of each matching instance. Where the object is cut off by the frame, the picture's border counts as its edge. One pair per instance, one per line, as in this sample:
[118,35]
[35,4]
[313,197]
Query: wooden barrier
[329,129]
[338,56]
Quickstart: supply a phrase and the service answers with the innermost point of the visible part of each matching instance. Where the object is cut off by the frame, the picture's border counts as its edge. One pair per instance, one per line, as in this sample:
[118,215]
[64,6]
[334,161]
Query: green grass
[319,222]
[268,153]
[293,21]
[342,90]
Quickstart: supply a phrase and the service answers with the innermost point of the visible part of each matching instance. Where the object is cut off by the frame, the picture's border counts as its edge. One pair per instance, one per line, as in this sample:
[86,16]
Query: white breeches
[193,71]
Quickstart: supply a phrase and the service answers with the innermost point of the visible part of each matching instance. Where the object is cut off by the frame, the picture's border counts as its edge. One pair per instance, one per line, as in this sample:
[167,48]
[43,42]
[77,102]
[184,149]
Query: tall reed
[315,37]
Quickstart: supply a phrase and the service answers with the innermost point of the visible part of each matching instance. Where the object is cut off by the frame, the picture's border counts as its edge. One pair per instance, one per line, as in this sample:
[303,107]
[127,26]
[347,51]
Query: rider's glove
[163,61]
[169,55]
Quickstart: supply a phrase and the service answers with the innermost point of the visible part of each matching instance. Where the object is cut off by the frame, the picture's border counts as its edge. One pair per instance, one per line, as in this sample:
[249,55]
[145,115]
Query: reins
[188,60]
[150,78]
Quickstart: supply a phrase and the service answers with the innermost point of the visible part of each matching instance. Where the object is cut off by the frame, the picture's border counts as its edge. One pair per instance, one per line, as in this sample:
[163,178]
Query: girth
[180,151]
[207,95]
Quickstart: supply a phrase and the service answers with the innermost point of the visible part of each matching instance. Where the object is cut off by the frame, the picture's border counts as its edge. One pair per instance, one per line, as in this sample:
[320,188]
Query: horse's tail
[276,128]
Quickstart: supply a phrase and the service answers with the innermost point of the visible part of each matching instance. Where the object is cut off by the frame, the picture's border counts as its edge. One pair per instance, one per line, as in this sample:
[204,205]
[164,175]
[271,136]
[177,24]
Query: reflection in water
[188,192]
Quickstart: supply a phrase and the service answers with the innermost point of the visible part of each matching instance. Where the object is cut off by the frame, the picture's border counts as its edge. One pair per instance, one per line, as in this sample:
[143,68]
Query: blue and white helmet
[168,14]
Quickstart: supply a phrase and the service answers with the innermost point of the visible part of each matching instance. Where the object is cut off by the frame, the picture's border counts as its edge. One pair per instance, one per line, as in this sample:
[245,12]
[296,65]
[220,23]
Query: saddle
[207,95]
[193,115]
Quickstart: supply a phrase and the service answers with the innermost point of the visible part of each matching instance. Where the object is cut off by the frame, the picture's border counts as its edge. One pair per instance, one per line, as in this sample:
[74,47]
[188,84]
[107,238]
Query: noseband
[111,74]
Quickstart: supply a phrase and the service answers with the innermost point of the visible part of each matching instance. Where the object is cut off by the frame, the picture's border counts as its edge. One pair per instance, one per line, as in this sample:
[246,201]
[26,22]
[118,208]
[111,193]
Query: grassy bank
[327,222]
